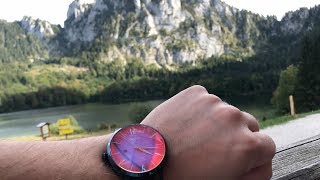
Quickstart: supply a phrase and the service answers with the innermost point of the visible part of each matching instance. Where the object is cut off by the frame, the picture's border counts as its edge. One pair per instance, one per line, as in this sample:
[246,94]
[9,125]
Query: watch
[136,152]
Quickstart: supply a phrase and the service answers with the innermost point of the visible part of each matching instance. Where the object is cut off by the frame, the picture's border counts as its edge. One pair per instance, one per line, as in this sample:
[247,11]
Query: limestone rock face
[41,29]
[293,22]
[158,31]
[77,8]
[165,31]
[44,31]
[76,13]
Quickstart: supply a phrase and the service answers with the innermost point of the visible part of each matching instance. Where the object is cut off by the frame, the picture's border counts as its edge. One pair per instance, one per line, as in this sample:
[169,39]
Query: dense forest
[61,82]
[68,81]
[301,80]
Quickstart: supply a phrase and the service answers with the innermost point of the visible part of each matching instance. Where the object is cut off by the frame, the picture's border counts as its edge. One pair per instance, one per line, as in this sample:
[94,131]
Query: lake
[89,117]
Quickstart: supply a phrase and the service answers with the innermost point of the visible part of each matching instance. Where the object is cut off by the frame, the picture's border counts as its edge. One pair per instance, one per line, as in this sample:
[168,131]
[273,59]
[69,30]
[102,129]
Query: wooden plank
[299,161]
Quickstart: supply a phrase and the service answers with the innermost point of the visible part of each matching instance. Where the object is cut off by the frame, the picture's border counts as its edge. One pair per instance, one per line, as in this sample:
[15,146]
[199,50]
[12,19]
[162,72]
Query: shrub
[106,126]
[54,129]
[138,112]
[287,83]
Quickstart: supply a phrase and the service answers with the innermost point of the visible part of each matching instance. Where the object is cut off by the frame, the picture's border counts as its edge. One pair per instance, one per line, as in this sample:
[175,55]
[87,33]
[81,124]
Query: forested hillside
[119,51]
[17,46]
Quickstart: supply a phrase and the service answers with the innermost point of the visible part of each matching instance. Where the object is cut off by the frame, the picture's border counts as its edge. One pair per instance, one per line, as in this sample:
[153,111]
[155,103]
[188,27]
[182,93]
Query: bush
[138,112]
[106,126]
[54,129]
[287,83]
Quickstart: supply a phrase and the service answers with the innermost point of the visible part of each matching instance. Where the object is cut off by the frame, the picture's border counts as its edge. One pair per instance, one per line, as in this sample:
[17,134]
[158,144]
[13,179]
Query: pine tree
[308,87]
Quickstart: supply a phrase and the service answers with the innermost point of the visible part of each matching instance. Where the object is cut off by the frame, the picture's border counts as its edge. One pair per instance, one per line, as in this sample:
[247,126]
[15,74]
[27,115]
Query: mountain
[164,31]
[16,45]
[158,31]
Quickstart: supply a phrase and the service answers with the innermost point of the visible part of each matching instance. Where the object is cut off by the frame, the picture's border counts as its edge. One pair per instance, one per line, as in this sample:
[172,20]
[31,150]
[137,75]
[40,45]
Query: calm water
[89,116]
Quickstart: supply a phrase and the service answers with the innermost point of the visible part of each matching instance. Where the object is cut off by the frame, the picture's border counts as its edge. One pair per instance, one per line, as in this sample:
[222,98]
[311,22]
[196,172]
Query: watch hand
[143,150]
[148,147]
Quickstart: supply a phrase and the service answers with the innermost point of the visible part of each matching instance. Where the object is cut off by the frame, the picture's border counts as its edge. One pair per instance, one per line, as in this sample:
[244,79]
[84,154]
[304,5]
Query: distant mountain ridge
[156,31]
[17,45]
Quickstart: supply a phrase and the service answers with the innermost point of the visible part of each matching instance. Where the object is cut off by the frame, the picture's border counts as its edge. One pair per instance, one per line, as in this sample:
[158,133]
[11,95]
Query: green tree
[286,86]
[308,89]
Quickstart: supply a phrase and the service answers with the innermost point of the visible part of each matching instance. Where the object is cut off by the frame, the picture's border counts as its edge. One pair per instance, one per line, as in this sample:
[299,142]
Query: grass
[260,112]
[59,138]
[284,119]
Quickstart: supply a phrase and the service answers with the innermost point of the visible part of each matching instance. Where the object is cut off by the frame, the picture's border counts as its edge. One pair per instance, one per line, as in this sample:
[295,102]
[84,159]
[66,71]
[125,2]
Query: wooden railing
[299,161]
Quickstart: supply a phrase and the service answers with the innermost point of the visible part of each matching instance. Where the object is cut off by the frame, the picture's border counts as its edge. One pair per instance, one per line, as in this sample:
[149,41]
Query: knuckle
[198,88]
[211,99]
[252,144]
[268,144]
[234,113]
[271,146]
[249,116]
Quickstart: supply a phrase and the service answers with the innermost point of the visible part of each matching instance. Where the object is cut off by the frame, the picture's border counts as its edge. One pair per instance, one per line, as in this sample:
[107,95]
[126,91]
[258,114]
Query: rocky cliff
[166,31]
[163,31]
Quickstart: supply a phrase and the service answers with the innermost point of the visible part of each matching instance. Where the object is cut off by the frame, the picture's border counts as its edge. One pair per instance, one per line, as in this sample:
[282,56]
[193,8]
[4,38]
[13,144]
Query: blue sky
[55,11]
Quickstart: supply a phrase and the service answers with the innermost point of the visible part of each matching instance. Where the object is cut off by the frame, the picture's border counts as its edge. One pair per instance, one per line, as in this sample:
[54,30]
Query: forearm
[74,159]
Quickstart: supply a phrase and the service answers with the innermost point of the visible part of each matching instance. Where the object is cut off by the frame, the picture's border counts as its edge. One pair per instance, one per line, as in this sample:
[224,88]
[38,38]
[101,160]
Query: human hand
[209,139]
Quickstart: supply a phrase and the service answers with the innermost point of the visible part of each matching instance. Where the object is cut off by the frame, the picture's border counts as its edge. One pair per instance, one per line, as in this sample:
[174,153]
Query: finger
[263,172]
[265,149]
[251,121]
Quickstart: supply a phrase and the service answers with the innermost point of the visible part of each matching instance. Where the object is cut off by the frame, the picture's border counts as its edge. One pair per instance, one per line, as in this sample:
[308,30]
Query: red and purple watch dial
[136,149]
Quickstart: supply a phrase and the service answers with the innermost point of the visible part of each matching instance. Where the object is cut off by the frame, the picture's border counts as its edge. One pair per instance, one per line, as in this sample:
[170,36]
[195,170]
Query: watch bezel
[107,158]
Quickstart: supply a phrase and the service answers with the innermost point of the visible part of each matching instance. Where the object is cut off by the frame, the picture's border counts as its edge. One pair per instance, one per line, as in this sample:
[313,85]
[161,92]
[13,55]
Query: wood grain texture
[299,161]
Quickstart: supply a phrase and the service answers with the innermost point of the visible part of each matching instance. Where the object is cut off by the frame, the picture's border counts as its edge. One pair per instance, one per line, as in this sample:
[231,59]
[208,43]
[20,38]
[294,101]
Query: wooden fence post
[292,110]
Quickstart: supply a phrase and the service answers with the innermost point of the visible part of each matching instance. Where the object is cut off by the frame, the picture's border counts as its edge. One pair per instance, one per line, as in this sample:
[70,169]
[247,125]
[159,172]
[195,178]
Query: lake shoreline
[89,116]
[281,120]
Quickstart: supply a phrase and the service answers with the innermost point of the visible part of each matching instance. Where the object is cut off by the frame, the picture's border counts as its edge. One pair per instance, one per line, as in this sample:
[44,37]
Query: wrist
[91,158]
[74,159]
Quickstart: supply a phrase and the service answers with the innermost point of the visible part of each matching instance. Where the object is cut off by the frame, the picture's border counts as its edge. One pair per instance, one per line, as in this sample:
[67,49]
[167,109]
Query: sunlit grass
[59,138]
[38,70]
[260,112]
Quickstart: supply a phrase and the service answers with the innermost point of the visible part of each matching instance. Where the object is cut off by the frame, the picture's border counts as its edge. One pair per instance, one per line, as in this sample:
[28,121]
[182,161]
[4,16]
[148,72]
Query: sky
[55,11]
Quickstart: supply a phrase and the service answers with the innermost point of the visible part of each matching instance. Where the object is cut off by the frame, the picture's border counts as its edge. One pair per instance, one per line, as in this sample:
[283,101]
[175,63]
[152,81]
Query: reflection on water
[89,116]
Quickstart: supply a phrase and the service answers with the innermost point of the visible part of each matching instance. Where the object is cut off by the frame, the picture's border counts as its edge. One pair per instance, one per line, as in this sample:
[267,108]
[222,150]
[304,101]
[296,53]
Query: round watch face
[137,149]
